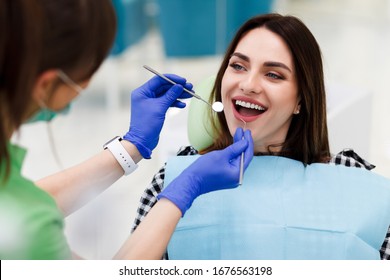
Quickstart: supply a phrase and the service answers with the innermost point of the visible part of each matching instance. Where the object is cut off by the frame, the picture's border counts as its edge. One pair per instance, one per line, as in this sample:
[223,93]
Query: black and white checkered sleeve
[149,197]
[349,158]
[385,249]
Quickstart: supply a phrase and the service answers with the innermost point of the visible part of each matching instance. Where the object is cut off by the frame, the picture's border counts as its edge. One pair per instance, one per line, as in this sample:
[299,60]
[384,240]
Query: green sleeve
[32,227]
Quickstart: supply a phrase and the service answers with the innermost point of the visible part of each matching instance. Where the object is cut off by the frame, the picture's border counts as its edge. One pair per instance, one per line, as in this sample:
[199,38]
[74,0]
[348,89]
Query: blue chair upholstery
[132,24]
[204,27]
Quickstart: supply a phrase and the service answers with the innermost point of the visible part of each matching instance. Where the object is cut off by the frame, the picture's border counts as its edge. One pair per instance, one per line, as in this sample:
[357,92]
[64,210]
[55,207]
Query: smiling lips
[247,110]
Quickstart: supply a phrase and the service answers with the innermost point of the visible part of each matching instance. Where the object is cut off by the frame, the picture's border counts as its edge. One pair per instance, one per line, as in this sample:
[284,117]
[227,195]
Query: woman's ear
[297,109]
[43,86]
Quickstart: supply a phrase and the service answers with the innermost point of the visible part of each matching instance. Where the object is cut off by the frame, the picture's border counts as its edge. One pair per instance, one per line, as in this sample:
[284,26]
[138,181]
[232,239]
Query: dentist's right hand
[213,171]
[149,104]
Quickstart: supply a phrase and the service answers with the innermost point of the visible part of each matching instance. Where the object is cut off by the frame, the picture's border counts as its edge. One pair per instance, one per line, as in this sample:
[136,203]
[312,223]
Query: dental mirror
[216,106]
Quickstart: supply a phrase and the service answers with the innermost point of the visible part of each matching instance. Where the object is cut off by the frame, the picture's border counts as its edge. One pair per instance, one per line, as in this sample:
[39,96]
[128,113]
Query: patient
[271,79]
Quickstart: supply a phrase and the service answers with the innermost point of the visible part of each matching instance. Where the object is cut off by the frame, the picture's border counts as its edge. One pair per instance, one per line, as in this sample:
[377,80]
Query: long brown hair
[307,137]
[77,36]
[38,35]
[20,52]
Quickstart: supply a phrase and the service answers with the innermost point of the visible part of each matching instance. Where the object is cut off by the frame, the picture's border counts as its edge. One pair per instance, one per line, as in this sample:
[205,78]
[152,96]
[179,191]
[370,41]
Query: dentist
[44,67]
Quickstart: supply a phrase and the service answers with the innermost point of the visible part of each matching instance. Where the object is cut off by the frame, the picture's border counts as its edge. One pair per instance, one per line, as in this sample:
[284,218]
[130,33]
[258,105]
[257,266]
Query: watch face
[113,139]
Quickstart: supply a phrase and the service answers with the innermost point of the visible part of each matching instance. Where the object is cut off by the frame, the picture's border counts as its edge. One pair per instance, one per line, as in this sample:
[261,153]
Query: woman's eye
[236,66]
[274,76]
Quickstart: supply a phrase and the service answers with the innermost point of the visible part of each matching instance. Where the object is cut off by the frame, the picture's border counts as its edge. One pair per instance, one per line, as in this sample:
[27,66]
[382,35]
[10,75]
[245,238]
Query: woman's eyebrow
[276,64]
[240,55]
[266,64]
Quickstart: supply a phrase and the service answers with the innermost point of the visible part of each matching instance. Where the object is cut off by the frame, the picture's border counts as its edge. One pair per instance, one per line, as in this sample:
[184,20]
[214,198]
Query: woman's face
[65,93]
[259,88]
[49,93]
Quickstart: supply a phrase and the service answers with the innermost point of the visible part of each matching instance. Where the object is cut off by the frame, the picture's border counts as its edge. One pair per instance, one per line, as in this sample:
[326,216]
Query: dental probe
[242,160]
[216,106]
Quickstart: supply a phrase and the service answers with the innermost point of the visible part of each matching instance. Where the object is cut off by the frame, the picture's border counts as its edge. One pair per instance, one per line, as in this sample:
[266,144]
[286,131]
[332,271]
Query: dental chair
[199,131]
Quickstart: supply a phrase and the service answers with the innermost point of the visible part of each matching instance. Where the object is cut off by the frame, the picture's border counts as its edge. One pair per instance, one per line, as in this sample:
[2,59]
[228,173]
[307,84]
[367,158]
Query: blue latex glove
[213,171]
[149,104]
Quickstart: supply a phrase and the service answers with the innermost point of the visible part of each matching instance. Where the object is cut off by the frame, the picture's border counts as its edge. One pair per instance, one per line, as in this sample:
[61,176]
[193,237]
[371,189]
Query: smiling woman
[275,62]
[259,88]
[271,78]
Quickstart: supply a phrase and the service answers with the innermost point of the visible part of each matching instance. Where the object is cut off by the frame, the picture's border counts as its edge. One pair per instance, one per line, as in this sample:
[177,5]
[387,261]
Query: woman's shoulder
[350,158]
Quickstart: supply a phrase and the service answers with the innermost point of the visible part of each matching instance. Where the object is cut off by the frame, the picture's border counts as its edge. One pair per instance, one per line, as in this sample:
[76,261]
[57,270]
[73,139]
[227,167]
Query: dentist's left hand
[149,104]
[213,171]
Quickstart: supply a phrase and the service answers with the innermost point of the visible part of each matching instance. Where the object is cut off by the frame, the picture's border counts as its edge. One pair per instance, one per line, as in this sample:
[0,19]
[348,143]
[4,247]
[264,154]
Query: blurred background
[187,38]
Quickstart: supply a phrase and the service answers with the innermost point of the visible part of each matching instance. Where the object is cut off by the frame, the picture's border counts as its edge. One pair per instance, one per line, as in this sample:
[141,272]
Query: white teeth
[249,105]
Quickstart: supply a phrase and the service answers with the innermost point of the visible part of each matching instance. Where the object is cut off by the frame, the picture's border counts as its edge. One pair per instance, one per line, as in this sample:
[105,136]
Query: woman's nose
[251,84]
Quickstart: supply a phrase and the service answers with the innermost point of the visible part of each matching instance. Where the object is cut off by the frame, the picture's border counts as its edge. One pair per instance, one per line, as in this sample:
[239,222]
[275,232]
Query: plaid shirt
[347,157]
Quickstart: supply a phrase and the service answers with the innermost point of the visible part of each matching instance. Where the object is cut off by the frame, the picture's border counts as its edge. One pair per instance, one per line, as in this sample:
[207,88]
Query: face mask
[47,115]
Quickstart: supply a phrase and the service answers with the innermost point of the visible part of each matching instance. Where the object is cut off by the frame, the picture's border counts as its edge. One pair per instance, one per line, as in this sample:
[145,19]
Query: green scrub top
[31,225]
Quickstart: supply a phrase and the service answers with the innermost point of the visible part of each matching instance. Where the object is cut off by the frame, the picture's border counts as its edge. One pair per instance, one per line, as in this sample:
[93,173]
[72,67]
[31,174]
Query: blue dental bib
[285,210]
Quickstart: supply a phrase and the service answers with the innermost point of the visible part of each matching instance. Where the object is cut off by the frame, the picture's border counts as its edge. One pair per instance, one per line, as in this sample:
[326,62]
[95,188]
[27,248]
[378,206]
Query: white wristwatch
[121,155]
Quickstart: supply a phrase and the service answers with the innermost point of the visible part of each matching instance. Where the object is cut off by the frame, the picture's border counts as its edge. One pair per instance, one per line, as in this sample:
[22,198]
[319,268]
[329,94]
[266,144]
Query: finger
[186,94]
[238,135]
[179,104]
[177,79]
[249,151]
[154,87]
[162,90]
[171,96]
[188,86]
[235,149]
[155,83]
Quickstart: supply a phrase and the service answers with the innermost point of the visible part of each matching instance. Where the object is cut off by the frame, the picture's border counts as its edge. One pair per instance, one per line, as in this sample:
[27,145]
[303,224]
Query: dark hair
[38,35]
[20,53]
[307,137]
[77,36]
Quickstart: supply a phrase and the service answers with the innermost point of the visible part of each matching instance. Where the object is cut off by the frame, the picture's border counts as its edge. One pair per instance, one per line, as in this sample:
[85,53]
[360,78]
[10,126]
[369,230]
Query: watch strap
[121,155]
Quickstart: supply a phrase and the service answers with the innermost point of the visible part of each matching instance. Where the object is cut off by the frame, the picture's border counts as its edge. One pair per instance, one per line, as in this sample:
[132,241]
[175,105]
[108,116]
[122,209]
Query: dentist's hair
[20,53]
[39,35]
[77,36]
[307,137]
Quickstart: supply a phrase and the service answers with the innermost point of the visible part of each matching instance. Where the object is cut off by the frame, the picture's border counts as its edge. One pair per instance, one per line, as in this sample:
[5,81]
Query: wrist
[141,148]
[132,150]
[121,155]
[182,192]
[180,203]
[170,204]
